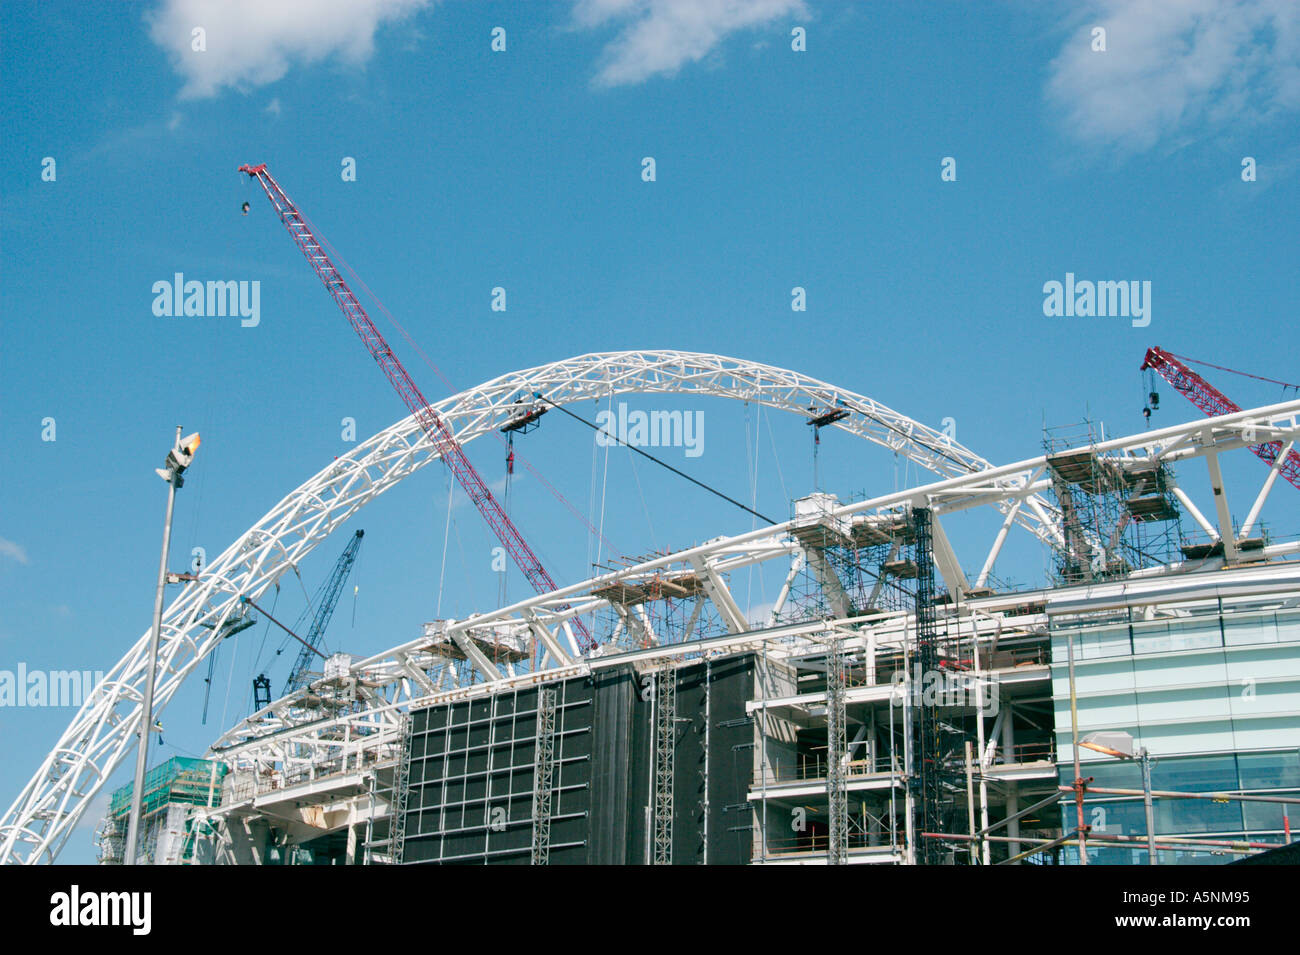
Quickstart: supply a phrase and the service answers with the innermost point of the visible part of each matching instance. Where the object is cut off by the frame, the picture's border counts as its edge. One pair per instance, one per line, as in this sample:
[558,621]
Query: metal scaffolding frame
[665,760]
[543,775]
[401,793]
[836,752]
[927,773]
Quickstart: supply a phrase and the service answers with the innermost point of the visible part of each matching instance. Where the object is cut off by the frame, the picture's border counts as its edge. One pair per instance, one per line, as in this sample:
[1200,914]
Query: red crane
[1214,403]
[430,421]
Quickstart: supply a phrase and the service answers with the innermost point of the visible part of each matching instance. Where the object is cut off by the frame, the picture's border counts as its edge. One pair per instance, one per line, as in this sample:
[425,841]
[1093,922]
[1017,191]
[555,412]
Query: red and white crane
[430,422]
[1214,403]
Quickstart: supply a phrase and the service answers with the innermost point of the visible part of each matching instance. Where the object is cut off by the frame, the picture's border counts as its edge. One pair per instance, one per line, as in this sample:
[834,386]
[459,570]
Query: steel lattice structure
[1285,461]
[104,730]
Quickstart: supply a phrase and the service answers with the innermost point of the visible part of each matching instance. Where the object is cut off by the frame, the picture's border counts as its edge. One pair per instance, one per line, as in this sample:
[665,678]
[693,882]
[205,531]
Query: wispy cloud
[658,37]
[13,550]
[250,43]
[1176,69]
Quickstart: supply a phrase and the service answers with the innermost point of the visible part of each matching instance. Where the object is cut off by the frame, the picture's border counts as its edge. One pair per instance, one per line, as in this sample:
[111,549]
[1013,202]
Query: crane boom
[430,421]
[326,599]
[1214,403]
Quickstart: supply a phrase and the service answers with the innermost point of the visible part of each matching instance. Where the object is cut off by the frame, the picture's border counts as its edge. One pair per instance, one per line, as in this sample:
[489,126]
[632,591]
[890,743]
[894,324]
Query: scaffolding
[846,568]
[836,752]
[543,775]
[1118,513]
[401,793]
[939,739]
[659,609]
[170,789]
[665,759]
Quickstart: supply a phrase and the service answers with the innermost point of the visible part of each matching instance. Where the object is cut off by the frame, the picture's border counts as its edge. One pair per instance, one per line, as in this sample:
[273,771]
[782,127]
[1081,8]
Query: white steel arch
[103,732]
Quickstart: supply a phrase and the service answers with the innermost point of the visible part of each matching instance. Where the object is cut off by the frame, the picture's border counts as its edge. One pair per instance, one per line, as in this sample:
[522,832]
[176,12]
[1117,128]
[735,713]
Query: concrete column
[351,858]
[246,841]
[1008,738]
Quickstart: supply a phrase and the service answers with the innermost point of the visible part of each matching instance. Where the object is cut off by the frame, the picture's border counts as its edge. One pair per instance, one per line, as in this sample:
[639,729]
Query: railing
[813,766]
[1009,659]
[257,785]
[1026,753]
[813,842]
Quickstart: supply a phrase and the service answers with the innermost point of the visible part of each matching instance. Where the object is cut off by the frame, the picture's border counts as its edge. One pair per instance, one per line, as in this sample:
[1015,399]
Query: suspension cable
[664,464]
[436,370]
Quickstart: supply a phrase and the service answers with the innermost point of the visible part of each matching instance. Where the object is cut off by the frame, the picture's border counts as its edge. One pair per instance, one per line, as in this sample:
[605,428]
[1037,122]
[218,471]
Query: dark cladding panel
[717,690]
[616,706]
[473,765]
[472,776]
[731,761]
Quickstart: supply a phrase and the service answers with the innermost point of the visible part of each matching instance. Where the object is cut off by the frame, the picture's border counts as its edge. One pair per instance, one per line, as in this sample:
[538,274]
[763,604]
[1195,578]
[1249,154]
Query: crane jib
[1215,403]
[443,440]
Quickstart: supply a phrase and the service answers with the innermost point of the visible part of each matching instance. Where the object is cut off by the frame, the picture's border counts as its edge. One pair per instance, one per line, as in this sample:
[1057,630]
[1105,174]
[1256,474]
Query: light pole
[178,459]
[1120,745]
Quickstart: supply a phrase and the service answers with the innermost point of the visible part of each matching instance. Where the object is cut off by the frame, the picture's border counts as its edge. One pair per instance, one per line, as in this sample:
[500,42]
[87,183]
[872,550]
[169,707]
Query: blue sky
[521,169]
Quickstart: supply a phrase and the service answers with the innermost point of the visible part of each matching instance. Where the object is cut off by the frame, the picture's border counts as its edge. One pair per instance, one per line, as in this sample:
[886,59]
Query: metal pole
[146,718]
[1078,776]
[970,805]
[1145,757]
[985,850]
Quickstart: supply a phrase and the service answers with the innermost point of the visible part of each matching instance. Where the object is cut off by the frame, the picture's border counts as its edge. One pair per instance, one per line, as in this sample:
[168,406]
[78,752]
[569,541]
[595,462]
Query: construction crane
[449,449]
[326,598]
[1214,403]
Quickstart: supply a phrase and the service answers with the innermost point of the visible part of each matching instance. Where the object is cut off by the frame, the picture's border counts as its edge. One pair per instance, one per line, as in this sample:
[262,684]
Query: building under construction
[897,703]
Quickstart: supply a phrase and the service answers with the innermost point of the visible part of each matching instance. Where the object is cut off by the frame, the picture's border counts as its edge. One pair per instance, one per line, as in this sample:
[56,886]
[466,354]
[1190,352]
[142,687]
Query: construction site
[898,703]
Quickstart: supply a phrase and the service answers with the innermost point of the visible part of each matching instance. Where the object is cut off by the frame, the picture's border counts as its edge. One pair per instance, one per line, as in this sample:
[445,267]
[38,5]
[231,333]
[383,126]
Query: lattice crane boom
[430,422]
[1214,403]
[326,600]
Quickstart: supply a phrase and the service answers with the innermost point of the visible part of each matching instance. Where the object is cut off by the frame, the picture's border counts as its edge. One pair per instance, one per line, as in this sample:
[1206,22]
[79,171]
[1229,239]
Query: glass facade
[1212,689]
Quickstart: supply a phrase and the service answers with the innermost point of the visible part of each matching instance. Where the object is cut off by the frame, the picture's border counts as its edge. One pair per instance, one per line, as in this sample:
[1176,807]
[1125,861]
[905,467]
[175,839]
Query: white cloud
[1175,68]
[660,36]
[95,812]
[758,613]
[273,107]
[251,43]
[9,549]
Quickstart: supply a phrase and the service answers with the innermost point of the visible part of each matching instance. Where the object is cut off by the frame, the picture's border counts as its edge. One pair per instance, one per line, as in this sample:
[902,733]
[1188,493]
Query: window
[1270,771]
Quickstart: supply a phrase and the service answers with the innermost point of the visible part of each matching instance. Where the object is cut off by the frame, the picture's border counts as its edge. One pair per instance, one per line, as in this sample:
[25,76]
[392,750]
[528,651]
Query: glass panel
[1270,771]
[1167,635]
[1194,773]
[1288,626]
[1268,815]
[1246,629]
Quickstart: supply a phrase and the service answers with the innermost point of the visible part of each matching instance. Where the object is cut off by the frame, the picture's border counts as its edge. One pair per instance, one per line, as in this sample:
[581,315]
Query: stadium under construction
[897,703]
[891,707]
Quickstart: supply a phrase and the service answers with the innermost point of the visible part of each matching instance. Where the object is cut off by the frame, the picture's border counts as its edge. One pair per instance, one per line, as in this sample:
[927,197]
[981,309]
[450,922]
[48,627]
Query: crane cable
[1233,371]
[428,361]
[664,464]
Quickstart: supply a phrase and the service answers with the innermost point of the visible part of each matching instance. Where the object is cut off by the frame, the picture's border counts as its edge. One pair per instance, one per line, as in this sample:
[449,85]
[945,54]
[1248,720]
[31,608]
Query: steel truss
[665,759]
[543,775]
[401,791]
[292,734]
[837,800]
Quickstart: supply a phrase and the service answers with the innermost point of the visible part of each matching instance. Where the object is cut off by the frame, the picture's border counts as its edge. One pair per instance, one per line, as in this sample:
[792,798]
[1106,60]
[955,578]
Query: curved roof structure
[105,729]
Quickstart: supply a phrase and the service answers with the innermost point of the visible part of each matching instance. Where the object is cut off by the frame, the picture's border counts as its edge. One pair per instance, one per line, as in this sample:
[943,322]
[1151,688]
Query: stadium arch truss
[301,731]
